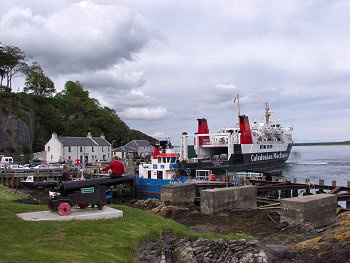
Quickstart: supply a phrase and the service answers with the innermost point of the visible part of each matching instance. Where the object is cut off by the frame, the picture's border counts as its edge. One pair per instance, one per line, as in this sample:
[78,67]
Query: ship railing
[215,143]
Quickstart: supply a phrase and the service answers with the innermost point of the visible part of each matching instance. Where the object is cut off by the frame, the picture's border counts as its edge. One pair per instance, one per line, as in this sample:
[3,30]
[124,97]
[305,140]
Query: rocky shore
[273,241]
[172,248]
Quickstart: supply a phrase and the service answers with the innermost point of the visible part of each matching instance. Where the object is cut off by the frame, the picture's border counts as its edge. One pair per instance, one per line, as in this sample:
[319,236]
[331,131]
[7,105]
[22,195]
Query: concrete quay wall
[178,193]
[220,199]
[317,210]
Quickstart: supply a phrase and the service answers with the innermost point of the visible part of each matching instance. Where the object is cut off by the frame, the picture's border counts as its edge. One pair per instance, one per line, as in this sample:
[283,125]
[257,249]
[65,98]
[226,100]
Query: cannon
[82,193]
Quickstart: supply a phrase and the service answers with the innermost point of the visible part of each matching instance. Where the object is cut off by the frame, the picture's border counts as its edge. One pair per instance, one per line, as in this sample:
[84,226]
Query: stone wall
[178,193]
[317,210]
[220,199]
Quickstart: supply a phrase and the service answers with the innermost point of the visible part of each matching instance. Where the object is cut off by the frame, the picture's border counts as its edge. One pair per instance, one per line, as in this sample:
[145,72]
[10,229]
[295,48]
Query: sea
[319,162]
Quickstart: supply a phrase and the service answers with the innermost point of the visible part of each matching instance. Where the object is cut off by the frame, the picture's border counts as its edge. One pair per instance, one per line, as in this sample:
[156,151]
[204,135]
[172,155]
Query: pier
[276,190]
[13,180]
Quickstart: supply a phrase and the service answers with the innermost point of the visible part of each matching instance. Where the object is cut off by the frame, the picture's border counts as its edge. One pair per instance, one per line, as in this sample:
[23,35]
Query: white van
[8,160]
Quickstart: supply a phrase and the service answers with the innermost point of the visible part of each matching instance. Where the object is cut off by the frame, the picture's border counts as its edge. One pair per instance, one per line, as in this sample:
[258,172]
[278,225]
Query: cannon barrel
[70,186]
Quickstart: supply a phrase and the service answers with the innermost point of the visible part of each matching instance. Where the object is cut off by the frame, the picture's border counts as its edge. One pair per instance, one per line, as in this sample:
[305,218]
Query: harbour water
[319,162]
[313,162]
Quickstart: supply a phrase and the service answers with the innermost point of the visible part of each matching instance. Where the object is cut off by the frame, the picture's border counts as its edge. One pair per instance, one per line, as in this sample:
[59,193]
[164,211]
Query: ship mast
[239,110]
[267,113]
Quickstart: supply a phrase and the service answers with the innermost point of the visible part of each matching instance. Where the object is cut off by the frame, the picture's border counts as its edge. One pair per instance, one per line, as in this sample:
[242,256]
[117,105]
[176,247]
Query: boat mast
[267,113]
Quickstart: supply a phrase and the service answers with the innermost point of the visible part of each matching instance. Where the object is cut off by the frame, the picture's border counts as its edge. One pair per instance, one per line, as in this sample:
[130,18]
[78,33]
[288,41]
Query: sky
[163,64]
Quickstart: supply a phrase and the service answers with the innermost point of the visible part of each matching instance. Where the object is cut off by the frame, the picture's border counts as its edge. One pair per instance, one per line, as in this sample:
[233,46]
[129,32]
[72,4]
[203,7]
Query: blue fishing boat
[162,170]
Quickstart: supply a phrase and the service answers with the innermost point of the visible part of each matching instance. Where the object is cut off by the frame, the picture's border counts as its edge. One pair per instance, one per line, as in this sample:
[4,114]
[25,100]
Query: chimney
[54,135]
[103,136]
[89,135]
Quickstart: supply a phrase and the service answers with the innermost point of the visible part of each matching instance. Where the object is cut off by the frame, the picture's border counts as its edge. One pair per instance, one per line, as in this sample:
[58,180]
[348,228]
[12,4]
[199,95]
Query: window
[48,149]
[69,157]
[51,157]
[81,149]
[159,174]
[92,149]
[102,148]
[69,149]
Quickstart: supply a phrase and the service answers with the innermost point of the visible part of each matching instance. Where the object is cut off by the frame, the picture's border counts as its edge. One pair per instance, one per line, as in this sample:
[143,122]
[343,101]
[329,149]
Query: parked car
[6,159]
[41,168]
[34,163]
[56,168]
[48,168]
[19,168]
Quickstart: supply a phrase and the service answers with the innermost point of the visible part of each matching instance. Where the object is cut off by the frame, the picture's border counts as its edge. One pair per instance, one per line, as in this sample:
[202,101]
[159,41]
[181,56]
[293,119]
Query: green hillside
[27,121]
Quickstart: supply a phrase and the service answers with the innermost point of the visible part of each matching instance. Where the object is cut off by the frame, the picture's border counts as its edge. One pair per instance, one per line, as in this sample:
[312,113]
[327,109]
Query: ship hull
[153,186]
[261,161]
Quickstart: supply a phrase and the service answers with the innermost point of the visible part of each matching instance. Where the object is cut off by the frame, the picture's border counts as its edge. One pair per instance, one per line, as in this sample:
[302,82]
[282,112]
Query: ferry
[162,170]
[261,147]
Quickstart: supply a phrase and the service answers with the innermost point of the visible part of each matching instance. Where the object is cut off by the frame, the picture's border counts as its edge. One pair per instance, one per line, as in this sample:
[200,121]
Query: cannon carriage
[83,193]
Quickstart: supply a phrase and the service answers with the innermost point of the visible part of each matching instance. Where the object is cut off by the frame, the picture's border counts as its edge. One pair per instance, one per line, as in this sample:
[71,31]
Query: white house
[143,147]
[123,151]
[69,149]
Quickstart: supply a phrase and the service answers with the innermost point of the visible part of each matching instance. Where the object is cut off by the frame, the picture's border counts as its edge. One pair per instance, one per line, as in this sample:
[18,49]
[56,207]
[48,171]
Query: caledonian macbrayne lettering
[267,156]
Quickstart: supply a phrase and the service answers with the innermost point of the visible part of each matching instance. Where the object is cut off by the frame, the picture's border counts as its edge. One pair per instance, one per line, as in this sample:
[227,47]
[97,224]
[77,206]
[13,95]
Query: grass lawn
[112,240]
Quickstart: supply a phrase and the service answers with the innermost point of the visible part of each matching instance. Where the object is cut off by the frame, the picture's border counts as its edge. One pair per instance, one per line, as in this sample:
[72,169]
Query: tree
[12,61]
[37,82]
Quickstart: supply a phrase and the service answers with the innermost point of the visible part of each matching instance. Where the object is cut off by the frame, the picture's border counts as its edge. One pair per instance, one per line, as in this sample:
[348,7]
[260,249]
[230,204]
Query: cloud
[185,60]
[143,113]
[83,36]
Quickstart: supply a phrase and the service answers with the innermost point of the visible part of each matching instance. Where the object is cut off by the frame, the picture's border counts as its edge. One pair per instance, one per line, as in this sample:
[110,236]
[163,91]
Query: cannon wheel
[83,205]
[64,209]
[51,206]
[100,205]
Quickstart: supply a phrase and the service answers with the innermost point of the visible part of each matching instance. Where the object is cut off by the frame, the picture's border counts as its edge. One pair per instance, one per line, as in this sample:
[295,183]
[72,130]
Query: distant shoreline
[321,143]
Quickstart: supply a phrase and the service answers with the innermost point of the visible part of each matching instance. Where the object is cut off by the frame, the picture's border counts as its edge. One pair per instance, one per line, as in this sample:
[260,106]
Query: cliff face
[16,135]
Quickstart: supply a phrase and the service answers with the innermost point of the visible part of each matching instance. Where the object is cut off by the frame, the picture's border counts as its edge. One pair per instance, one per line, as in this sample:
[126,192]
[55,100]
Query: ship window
[159,160]
[168,160]
[154,166]
[149,174]
[159,174]
[173,160]
[164,159]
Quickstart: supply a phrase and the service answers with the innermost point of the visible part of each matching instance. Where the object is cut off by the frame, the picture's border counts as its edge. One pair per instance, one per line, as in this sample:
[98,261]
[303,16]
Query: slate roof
[124,149]
[101,142]
[83,141]
[138,143]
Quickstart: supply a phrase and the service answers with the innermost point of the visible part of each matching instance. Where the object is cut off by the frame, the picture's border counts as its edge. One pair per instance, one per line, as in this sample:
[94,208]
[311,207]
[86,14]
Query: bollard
[307,190]
[295,191]
[347,203]
[334,183]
